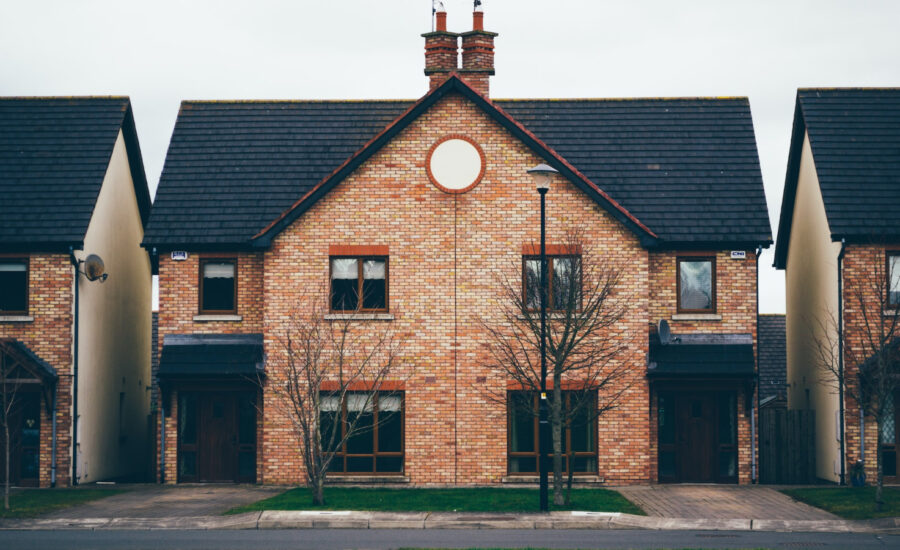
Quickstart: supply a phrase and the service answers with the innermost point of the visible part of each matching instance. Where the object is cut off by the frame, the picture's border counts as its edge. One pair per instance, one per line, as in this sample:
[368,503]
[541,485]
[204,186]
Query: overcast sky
[160,52]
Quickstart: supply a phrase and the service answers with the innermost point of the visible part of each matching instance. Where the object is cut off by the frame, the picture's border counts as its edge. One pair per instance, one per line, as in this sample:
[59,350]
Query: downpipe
[843,449]
[53,441]
[74,480]
[754,436]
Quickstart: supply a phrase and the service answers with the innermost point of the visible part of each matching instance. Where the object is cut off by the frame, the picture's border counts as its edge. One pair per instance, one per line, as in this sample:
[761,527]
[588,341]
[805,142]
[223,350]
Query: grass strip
[849,502]
[481,499]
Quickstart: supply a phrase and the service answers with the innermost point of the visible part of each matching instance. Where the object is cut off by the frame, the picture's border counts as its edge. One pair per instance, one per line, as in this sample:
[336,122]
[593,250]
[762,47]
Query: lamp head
[542,175]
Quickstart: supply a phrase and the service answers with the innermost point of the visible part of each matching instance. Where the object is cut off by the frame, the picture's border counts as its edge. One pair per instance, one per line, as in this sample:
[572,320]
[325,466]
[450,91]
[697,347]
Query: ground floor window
[375,445]
[697,436]
[523,438]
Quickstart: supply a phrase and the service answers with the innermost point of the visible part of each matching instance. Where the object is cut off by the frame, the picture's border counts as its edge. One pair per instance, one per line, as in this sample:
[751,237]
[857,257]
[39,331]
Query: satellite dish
[665,334]
[94,268]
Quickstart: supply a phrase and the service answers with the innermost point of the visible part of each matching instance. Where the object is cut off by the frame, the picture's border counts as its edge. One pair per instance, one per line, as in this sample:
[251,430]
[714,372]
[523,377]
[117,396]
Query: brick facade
[446,252]
[49,335]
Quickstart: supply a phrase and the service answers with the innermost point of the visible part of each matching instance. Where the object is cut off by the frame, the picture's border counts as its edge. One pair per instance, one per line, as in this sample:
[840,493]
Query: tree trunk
[318,491]
[6,452]
[556,426]
[571,475]
[879,470]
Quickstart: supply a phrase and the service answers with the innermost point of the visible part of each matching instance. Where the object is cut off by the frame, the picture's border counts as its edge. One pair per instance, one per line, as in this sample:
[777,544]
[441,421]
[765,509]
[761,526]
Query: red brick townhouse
[839,244]
[74,334]
[261,201]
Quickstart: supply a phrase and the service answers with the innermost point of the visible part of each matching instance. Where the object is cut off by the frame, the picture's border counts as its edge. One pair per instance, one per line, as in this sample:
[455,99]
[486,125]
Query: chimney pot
[441,25]
[477,21]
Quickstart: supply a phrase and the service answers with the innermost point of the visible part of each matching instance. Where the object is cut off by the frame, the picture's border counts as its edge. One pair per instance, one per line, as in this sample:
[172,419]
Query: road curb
[444,520]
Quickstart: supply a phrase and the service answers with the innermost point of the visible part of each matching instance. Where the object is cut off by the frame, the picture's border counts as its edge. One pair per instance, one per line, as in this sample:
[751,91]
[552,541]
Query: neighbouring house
[772,361]
[839,242]
[426,201]
[77,331]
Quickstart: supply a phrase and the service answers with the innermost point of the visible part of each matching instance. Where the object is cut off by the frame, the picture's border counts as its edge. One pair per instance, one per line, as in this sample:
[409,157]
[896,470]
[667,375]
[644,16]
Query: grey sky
[161,52]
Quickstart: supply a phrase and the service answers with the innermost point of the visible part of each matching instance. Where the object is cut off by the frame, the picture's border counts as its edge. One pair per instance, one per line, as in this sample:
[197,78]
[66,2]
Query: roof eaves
[789,195]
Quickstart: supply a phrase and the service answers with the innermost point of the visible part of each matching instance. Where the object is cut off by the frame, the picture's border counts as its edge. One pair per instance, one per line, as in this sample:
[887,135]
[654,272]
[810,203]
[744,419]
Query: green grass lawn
[439,500]
[26,503]
[849,502]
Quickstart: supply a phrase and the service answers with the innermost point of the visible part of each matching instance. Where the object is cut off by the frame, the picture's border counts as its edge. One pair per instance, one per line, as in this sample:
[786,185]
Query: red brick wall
[735,303]
[445,254]
[49,335]
[863,275]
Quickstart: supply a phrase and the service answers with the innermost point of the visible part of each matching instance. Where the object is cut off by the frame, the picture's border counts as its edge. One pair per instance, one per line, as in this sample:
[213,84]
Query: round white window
[455,165]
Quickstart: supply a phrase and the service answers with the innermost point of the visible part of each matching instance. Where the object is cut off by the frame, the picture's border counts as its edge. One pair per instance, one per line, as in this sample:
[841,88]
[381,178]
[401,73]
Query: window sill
[550,315]
[214,318]
[16,319]
[345,479]
[696,317]
[530,480]
[359,317]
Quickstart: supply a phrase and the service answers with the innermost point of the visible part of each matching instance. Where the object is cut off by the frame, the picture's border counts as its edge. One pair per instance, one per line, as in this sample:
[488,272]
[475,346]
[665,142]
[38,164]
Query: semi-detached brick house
[839,244]
[261,201]
[76,352]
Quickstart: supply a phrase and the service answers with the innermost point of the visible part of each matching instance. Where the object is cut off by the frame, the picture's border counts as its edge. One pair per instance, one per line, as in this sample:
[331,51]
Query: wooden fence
[787,446]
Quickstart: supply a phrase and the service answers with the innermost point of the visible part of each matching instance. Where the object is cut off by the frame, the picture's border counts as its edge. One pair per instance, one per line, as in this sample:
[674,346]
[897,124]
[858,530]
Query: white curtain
[360,402]
[389,403]
[373,269]
[218,271]
[344,268]
[329,403]
[16,266]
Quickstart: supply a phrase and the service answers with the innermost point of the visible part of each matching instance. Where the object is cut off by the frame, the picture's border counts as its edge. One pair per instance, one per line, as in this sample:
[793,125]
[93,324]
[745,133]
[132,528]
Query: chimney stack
[440,51]
[478,55]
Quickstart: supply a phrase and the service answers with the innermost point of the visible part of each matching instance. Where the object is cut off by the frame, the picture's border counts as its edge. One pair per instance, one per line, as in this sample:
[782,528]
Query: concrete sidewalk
[423,520]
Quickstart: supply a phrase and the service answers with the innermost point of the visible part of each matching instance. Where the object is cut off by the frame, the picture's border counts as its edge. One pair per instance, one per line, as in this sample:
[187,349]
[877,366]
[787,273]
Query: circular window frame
[478,178]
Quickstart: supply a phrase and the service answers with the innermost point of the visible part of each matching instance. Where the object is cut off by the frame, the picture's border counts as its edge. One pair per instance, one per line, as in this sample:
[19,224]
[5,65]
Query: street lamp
[542,174]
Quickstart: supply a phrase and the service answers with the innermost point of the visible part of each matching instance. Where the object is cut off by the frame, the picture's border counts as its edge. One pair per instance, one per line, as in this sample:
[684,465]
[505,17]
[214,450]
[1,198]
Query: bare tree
[330,375]
[871,349]
[586,303]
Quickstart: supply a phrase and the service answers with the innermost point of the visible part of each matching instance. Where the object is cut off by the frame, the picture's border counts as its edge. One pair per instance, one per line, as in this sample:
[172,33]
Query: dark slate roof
[32,361]
[772,356]
[212,356]
[686,168]
[854,135]
[703,355]
[54,153]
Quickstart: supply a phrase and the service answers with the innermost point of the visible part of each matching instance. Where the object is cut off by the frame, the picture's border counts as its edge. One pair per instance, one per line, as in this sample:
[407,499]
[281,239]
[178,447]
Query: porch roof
[22,354]
[212,356]
[701,356]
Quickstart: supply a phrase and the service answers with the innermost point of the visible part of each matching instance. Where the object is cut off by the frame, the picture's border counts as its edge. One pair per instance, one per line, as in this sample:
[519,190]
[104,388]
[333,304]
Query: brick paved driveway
[156,501]
[720,502]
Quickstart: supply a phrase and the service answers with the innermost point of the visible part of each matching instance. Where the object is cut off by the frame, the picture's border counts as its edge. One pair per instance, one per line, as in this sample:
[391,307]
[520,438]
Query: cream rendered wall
[812,287]
[114,326]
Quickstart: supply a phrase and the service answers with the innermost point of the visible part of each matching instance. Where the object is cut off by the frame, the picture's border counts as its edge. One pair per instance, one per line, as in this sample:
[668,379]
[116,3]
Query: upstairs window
[13,286]
[563,282]
[359,284]
[893,282]
[697,284]
[218,286]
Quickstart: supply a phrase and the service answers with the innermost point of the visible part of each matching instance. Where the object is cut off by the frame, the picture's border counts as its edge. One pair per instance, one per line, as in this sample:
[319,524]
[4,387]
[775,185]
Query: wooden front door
[696,431]
[697,436]
[217,436]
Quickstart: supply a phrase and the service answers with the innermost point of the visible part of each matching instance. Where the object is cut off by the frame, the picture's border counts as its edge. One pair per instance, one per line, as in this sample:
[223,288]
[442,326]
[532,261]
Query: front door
[695,429]
[217,436]
[697,437]
[890,458]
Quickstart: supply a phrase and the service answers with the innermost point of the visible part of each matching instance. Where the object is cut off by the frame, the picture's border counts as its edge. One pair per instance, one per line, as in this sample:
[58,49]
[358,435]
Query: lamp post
[542,174]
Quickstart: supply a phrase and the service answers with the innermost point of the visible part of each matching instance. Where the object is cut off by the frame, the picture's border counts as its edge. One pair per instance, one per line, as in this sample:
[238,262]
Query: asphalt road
[322,539]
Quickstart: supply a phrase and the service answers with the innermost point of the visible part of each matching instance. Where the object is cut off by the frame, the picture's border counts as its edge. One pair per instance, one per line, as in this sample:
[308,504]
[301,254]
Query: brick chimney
[440,51]
[478,55]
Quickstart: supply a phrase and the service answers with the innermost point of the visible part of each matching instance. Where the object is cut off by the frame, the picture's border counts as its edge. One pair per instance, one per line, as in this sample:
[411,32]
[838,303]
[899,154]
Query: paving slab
[720,502]
[159,501]
[398,520]
[278,519]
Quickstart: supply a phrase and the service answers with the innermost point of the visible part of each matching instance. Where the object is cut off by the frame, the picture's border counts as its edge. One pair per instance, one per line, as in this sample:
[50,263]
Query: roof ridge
[849,88]
[288,101]
[64,97]
[649,98]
